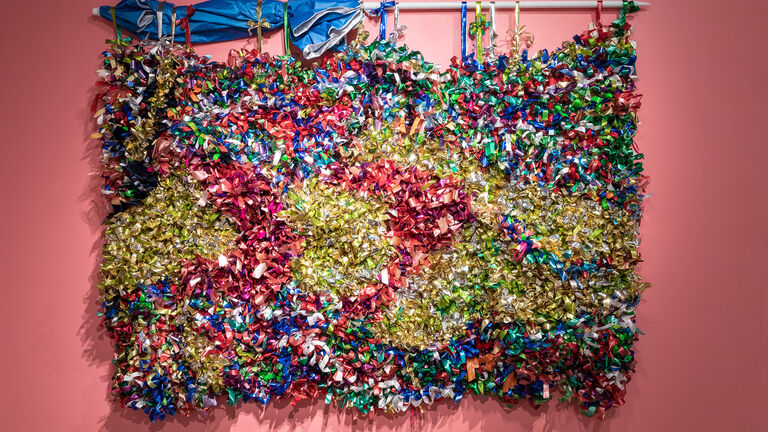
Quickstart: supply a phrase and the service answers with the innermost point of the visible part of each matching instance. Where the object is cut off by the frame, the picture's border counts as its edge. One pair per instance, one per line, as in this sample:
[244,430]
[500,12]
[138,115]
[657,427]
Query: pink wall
[702,360]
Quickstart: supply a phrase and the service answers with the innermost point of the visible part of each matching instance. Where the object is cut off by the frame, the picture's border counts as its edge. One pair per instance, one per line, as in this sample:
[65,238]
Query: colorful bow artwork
[371,231]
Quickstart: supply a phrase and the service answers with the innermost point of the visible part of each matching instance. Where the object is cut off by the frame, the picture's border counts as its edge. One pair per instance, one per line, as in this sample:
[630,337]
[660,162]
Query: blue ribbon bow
[463,30]
[381,11]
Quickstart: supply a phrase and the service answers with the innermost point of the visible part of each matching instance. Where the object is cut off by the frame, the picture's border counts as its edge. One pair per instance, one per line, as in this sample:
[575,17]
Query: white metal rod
[575,4]
[525,4]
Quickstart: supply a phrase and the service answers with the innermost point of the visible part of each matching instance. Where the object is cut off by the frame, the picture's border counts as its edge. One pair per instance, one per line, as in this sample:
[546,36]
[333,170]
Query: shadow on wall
[477,413]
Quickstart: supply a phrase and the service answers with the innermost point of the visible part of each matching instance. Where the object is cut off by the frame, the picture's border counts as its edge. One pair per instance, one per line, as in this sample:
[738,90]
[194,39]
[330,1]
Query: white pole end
[95,11]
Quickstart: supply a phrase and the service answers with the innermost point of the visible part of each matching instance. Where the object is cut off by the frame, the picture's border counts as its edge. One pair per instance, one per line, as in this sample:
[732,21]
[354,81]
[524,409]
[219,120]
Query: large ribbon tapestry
[371,231]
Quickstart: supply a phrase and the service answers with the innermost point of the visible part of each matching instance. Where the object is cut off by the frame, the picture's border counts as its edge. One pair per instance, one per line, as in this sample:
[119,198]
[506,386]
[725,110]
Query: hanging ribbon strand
[358,44]
[490,51]
[463,30]
[599,13]
[517,27]
[158,47]
[627,6]
[399,30]
[165,40]
[118,33]
[160,7]
[477,29]
[521,39]
[516,45]
[173,25]
[285,29]
[381,11]
[184,24]
[258,25]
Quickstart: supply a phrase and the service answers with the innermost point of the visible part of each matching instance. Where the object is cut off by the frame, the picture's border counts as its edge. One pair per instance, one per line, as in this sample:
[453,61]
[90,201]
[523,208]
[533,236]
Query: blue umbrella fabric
[315,26]
[211,21]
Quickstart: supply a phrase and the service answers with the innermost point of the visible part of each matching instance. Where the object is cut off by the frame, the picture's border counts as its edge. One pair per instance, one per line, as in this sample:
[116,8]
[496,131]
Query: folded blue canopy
[314,25]
[319,25]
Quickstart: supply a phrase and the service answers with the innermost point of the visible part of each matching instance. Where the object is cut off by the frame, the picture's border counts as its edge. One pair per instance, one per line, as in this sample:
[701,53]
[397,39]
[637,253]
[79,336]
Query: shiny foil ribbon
[371,231]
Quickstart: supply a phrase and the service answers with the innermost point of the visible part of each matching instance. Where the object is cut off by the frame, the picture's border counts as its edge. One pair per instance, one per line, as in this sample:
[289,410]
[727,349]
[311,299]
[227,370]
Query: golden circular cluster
[478,278]
[346,244]
[148,242]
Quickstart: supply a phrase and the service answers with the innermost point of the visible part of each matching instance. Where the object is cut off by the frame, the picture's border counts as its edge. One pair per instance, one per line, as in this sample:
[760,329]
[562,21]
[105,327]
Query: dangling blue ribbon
[463,30]
[381,11]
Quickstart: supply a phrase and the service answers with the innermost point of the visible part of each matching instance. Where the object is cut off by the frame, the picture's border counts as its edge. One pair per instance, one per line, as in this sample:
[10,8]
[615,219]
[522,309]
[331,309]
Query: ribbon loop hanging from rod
[399,30]
[259,24]
[285,28]
[478,30]
[463,30]
[599,15]
[517,28]
[160,7]
[521,39]
[491,50]
[184,24]
[118,33]
[381,11]
[173,25]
